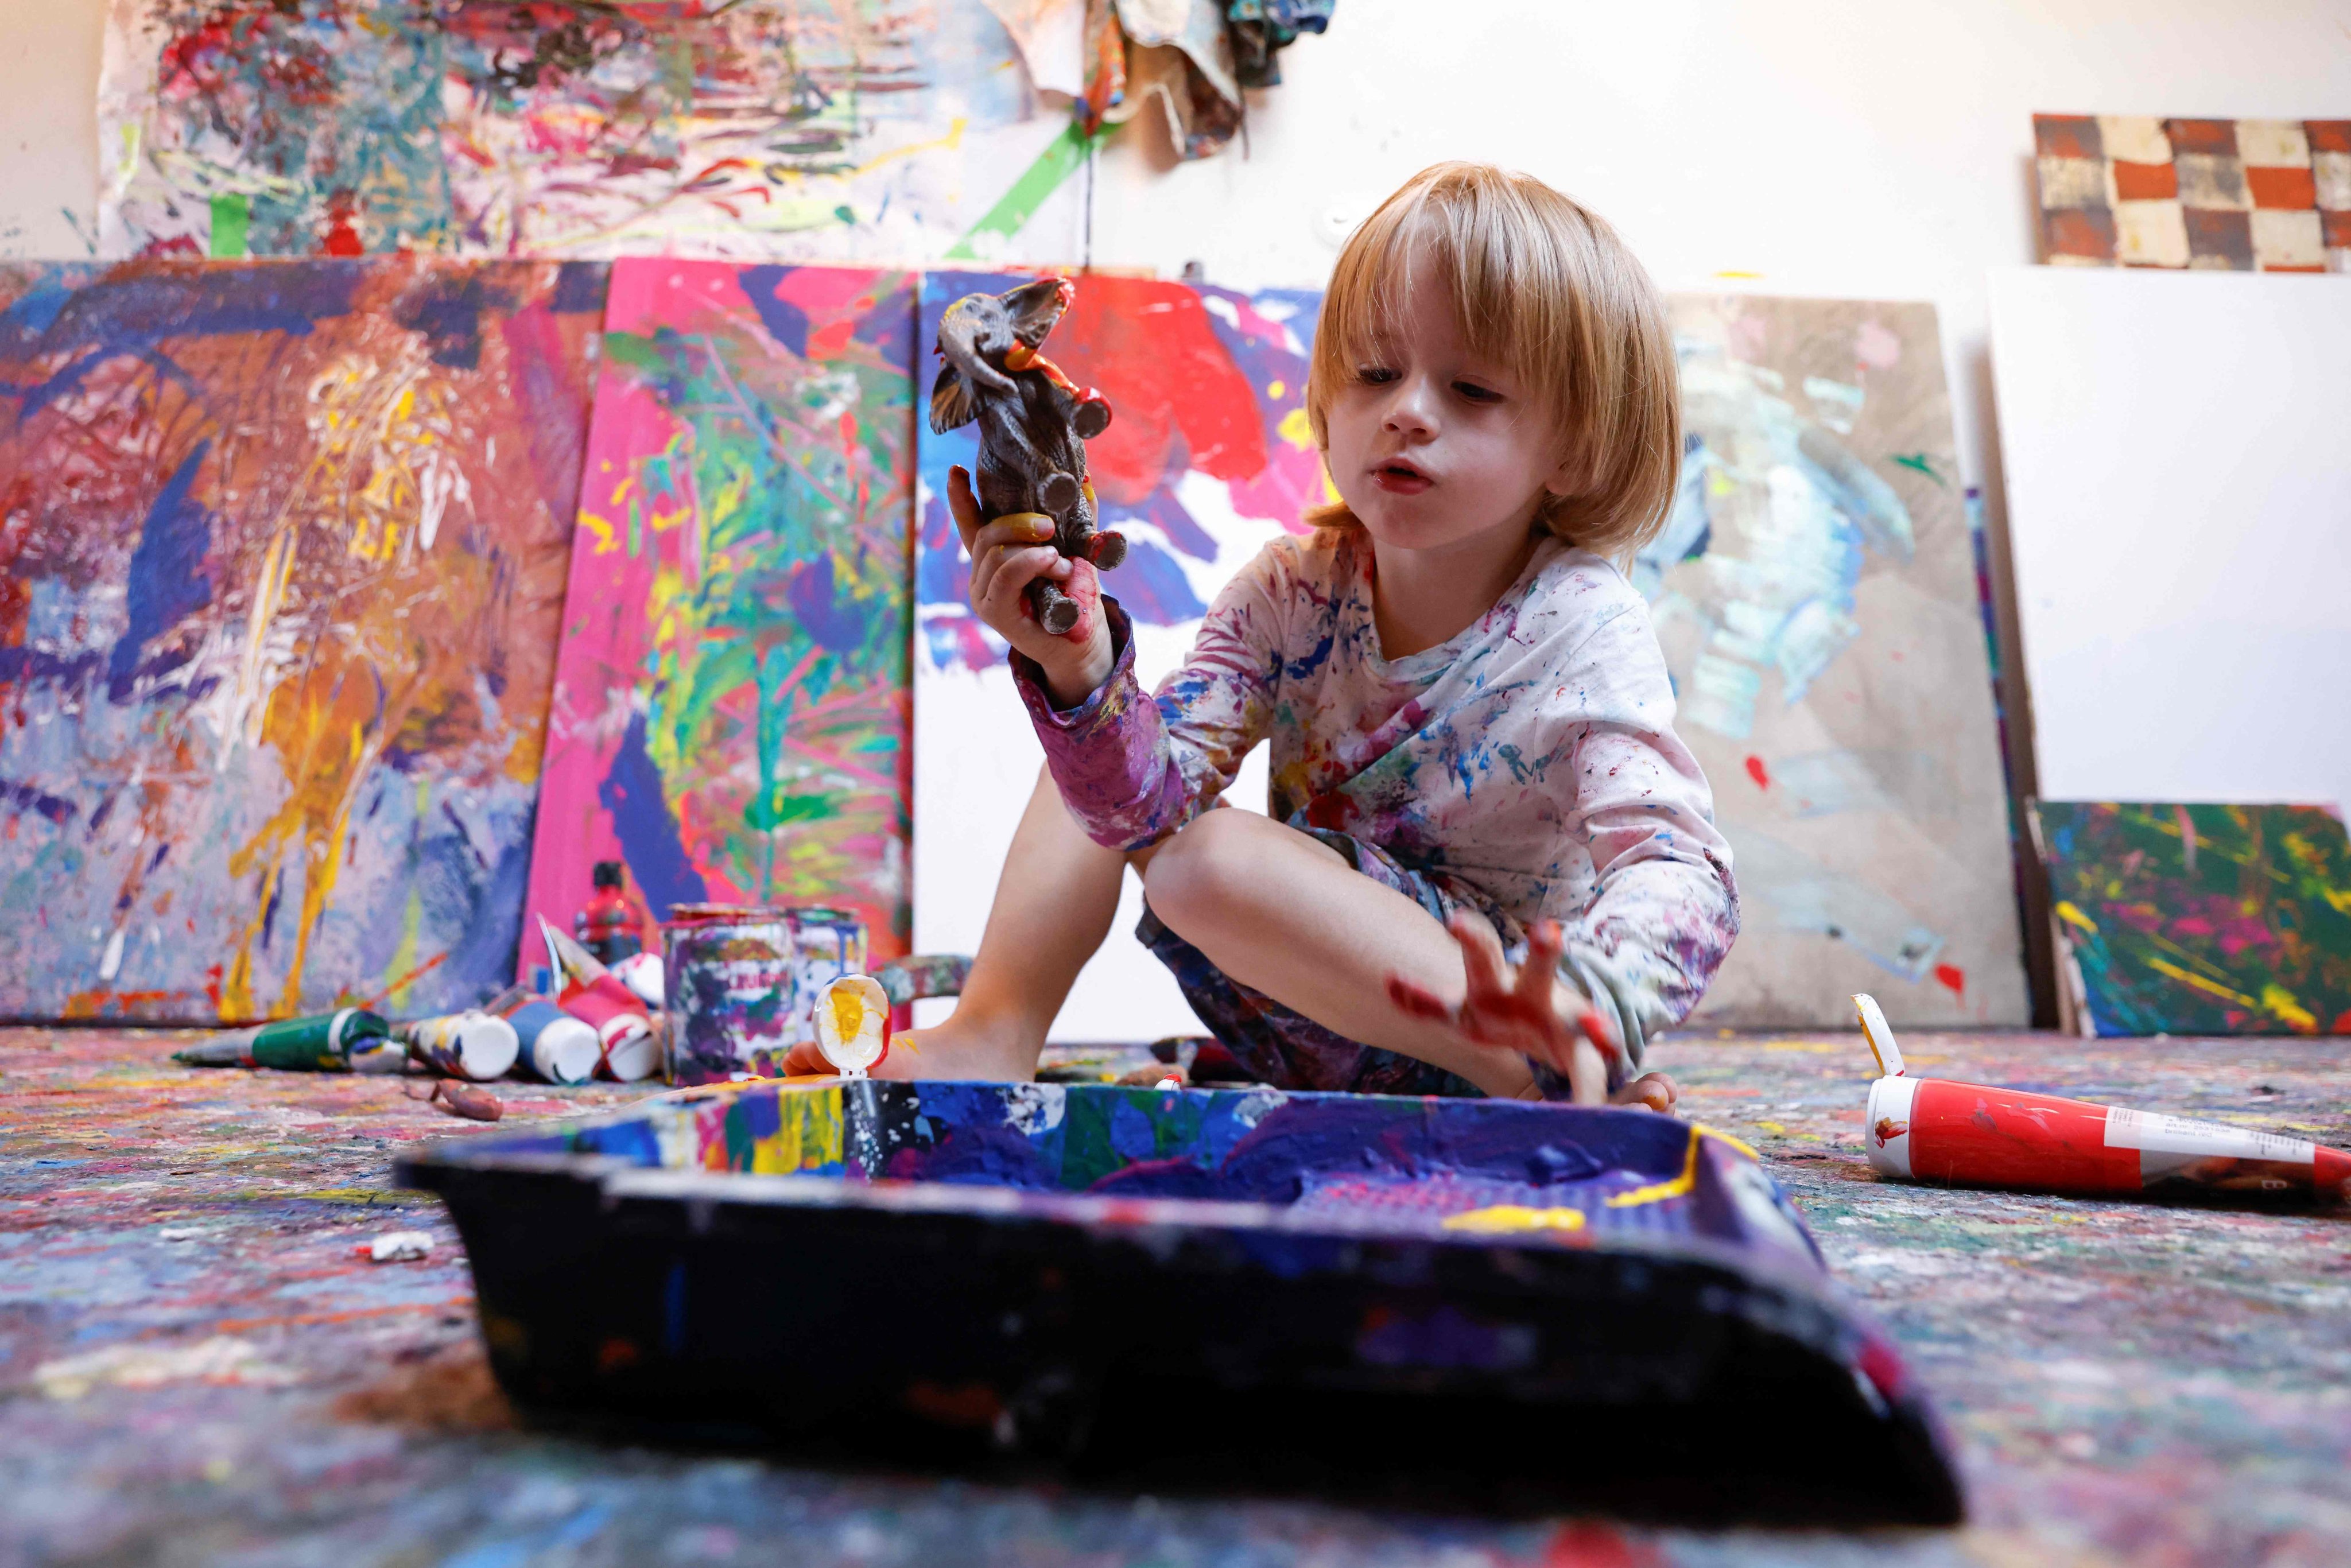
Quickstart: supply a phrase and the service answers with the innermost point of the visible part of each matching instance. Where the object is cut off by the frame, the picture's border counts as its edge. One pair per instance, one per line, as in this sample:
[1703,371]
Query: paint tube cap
[559,1046]
[852,1024]
[635,1053]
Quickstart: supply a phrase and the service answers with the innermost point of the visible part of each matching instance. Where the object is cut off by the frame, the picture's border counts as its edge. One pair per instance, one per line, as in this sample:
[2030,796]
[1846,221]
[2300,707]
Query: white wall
[48,127]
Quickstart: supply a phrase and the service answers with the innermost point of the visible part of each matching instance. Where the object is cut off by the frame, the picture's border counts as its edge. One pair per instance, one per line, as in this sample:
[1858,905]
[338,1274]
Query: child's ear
[952,404]
[1565,480]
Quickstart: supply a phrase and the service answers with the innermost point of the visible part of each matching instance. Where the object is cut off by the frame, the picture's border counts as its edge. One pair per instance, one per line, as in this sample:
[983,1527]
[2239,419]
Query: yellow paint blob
[1505,1218]
[848,1012]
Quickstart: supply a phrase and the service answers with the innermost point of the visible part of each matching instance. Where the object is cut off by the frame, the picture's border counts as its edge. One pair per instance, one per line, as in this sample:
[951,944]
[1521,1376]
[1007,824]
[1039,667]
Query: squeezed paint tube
[559,1047]
[852,1024]
[574,964]
[471,1044]
[623,1031]
[1932,1129]
[321,1044]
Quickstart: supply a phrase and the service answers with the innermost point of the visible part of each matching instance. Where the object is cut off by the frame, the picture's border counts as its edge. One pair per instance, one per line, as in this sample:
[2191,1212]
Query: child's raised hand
[1527,1010]
[1007,555]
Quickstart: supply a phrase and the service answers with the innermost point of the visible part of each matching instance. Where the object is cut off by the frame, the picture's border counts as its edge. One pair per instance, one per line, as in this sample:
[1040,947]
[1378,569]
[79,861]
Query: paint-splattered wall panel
[730,706]
[2233,195]
[2202,919]
[1207,457]
[282,550]
[1816,593]
[769,129]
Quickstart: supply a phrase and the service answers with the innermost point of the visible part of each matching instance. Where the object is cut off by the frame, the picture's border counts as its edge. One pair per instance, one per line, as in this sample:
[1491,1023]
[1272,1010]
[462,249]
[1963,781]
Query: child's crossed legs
[1279,911]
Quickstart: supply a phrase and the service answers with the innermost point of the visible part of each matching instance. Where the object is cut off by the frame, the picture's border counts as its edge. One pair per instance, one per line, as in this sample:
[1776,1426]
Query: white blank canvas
[2177,449]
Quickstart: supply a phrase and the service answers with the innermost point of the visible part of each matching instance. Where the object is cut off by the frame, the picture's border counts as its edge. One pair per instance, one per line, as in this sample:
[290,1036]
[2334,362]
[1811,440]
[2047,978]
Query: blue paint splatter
[167,578]
[786,322]
[647,828]
[832,623]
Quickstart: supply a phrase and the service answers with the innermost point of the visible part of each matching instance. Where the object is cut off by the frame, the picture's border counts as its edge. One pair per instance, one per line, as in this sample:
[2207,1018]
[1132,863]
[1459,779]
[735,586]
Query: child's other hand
[1007,555]
[1526,1011]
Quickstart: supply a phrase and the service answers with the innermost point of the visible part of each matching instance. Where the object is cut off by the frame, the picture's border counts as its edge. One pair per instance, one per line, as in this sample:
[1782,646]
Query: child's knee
[1196,876]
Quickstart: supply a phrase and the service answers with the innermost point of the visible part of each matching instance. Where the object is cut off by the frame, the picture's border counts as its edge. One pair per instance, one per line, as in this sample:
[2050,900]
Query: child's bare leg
[1283,913]
[1054,904]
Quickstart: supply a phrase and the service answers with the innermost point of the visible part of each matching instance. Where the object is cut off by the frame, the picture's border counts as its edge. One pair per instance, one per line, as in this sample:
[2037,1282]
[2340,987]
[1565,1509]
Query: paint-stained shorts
[1289,1050]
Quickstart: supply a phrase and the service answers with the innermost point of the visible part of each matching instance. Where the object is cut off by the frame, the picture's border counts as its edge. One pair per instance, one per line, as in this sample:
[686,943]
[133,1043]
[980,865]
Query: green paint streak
[232,214]
[1918,460]
[1061,158]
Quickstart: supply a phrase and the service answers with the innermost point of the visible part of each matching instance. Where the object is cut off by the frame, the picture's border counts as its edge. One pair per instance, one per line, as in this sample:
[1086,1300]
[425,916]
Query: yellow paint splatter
[1660,1191]
[810,1135]
[2189,978]
[2073,917]
[1505,1218]
[1296,429]
[848,1012]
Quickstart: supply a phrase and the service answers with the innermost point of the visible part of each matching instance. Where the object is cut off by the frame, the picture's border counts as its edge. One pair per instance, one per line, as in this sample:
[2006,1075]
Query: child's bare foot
[971,1045]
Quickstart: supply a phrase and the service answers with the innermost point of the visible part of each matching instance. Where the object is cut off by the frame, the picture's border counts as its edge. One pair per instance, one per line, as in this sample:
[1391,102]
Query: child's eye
[1476,393]
[1374,375]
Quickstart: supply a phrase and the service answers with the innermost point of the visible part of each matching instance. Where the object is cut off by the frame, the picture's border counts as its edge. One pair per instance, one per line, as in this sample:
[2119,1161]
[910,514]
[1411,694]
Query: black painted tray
[1450,1302]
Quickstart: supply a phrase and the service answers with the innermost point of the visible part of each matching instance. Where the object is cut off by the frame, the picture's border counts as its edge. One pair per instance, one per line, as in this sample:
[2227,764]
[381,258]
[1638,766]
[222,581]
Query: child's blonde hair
[1547,290]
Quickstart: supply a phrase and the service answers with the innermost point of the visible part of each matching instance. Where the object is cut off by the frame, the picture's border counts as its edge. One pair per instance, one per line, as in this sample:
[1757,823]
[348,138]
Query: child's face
[1431,446]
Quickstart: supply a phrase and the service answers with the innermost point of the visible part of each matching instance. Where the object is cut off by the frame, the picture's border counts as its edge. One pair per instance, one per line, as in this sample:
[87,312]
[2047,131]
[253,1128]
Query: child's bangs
[1476,246]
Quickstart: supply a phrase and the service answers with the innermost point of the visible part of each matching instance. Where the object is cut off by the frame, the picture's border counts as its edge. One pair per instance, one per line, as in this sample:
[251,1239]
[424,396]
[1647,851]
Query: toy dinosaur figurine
[1033,424]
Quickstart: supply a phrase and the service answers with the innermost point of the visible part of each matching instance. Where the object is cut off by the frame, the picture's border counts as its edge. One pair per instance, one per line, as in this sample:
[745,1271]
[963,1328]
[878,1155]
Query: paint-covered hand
[1007,555]
[1526,1011]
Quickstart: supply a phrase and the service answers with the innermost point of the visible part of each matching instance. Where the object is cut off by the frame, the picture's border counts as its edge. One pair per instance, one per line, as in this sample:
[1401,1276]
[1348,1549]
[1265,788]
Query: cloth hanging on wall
[1263,28]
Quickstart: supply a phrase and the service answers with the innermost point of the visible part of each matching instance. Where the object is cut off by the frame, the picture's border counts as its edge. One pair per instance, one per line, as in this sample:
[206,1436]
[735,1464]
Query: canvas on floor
[730,704]
[285,549]
[1816,595]
[2202,919]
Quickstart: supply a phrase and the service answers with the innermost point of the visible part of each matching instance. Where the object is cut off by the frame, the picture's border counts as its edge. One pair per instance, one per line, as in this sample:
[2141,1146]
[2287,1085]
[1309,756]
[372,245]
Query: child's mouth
[1401,478]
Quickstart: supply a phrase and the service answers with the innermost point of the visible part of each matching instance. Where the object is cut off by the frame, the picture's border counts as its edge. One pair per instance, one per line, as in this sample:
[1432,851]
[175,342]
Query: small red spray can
[606,925]
[1971,1134]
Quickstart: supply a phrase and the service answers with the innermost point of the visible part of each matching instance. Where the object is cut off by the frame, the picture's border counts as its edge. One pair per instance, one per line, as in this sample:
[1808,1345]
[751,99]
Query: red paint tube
[1932,1129]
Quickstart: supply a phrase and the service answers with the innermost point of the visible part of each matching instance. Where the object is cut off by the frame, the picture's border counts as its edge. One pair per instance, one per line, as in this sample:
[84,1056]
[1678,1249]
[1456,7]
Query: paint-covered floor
[196,1366]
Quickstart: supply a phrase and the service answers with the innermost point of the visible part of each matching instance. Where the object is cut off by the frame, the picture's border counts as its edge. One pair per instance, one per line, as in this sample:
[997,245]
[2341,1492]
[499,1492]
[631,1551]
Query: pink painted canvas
[731,707]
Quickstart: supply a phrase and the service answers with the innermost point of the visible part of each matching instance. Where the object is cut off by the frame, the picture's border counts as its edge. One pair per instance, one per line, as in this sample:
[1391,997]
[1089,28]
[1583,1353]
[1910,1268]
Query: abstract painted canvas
[1208,456]
[768,130]
[731,700]
[1815,591]
[2234,195]
[282,551]
[2205,919]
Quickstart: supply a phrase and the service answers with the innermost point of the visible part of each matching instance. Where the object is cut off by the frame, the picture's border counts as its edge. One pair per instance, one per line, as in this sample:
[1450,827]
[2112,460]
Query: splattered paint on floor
[731,698]
[283,550]
[2129,1383]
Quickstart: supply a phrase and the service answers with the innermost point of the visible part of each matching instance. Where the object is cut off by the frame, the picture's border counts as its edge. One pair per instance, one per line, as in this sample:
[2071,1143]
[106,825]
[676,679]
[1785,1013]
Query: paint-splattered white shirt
[1524,768]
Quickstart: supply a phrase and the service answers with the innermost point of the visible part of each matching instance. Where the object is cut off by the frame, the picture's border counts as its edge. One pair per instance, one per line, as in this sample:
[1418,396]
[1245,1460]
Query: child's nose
[1413,410]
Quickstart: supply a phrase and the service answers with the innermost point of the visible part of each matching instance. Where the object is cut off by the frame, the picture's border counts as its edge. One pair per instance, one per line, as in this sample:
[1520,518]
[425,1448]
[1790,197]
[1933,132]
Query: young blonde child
[1490,865]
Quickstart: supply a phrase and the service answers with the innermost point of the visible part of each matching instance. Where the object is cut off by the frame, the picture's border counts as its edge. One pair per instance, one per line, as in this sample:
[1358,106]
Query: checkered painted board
[2235,196]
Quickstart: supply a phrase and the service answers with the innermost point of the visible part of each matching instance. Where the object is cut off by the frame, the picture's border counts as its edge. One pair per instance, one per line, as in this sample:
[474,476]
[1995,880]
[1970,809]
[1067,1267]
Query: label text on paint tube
[2156,1133]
